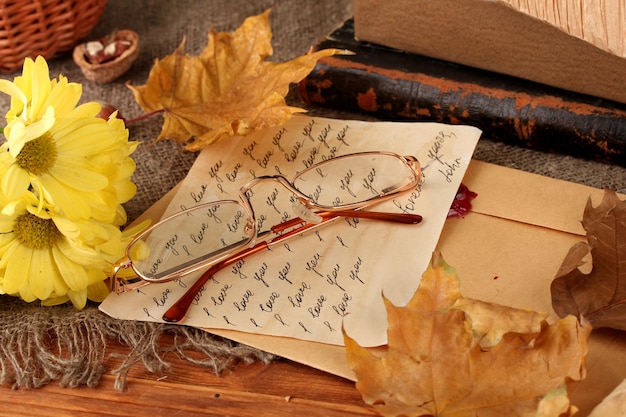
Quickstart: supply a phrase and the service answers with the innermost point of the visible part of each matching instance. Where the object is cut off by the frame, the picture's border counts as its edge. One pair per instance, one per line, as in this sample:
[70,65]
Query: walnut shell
[111,70]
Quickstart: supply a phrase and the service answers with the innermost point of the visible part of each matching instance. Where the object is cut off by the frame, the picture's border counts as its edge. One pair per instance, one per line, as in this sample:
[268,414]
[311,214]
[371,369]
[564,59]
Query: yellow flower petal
[55,301]
[26,294]
[6,224]
[64,97]
[71,140]
[68,228]
[16,273]
[15,182]
[85,111]
[67,201]
[78,175]
[73,273]
[41,86]
[80,254]
[98,291]
[13,90]
[39,273]
[78,298]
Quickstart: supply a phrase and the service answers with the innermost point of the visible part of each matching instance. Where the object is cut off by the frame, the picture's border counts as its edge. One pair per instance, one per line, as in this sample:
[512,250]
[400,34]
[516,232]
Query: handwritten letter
[312,284]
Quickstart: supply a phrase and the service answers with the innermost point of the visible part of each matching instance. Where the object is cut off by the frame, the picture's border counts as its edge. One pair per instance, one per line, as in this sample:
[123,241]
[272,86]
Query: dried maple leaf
[448,356]
[229,89]
[599,296]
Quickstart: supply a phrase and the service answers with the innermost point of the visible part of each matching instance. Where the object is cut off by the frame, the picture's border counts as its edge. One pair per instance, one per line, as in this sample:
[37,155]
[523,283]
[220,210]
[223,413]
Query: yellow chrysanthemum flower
[47,257]
[64,175]
[68,157]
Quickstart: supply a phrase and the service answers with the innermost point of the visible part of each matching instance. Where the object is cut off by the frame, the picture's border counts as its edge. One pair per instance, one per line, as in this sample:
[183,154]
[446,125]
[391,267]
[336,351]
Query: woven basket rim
[44,28]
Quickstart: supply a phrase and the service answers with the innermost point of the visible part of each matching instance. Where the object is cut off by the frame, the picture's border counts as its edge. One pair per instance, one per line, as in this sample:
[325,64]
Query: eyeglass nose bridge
[276,178]
[301,197]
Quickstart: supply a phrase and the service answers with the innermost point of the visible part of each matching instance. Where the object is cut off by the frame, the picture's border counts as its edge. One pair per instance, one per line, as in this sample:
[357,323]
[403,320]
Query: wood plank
[283,388]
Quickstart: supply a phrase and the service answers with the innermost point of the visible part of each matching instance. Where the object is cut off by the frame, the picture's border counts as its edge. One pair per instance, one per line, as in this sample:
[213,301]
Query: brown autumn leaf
[229,89]
[599,296]
[449,356]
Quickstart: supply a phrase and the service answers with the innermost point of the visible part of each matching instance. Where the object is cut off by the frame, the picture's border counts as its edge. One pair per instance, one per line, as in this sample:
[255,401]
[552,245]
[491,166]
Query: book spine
[391,85]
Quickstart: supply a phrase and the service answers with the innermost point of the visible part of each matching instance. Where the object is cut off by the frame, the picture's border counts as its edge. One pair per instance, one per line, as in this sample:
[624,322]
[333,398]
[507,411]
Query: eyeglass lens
[193,237]
[354,179]
[203,234]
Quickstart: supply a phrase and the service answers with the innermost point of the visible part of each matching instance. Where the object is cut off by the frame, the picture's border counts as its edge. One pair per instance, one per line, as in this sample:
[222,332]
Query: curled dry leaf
[490,322]
[229,89]
[434,364]
[599,296]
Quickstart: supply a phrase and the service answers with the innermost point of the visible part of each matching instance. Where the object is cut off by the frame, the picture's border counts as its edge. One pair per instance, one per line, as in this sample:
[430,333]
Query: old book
[396,85]
[577,45]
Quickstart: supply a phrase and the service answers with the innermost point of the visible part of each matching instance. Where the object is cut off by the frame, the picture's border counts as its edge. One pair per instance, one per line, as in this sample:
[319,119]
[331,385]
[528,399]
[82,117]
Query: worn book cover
[395,85]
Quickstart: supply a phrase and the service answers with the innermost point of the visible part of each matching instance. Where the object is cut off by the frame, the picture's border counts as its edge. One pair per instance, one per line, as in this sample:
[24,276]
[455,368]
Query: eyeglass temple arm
[403,218]
[178,310]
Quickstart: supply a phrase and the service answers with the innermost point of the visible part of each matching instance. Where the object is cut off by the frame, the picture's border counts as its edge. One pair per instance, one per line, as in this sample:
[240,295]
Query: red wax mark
[496,277]
[462,202]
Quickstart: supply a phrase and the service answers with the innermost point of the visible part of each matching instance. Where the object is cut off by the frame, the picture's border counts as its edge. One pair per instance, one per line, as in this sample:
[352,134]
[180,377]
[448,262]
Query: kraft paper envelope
[507,250]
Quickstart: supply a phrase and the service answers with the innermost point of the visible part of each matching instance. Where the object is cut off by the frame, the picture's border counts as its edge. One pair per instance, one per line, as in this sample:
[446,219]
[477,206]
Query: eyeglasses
[218,234]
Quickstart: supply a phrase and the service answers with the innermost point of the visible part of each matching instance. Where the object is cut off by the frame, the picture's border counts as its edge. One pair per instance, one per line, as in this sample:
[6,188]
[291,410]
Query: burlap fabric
[28,358]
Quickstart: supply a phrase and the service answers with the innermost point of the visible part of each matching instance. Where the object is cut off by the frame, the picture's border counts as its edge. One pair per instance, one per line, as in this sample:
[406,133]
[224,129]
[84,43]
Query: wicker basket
[43,27]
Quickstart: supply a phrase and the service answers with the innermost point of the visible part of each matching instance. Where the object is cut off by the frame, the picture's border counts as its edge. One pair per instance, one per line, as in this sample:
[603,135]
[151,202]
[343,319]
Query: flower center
[35,232]
[38,155]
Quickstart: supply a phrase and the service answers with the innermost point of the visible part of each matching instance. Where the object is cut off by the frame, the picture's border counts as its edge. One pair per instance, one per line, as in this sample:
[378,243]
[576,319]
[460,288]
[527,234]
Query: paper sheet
[315,283]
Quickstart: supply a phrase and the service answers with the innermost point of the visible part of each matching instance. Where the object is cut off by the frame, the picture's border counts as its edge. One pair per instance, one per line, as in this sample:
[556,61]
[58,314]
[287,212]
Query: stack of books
[392,84]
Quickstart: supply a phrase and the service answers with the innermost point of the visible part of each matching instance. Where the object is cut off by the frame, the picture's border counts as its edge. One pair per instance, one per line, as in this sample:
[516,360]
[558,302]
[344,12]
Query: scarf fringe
[39,345]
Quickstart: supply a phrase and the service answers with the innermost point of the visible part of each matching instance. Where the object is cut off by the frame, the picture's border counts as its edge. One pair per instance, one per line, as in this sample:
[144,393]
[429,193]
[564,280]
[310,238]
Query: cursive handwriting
[298,297]
[161,301]
[268,307]
[356,268]
[446,167]
[333,277]
[312,264]
[307,130]
[282,274]
[221,298]
[278,136]
[316,310]
[215,169]
[242,304]
[232,175]
[260,275]
[342,307]
[197,197]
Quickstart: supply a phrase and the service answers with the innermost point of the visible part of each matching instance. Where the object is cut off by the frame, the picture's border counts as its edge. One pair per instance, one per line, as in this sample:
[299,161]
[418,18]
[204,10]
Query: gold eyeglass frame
[311,215]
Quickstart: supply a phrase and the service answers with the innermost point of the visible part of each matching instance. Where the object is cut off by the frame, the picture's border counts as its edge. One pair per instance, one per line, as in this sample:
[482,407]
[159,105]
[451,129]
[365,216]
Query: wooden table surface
[282,388]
